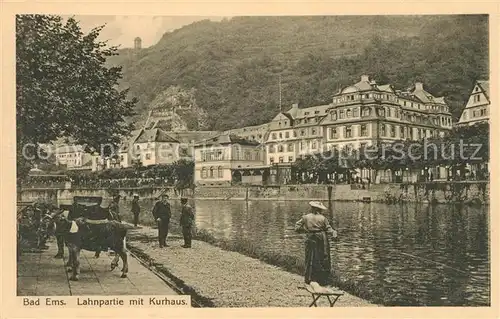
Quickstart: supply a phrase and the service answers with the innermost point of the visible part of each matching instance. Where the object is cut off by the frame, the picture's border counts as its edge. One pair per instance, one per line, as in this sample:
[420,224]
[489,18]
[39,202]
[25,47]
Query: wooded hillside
[234,64]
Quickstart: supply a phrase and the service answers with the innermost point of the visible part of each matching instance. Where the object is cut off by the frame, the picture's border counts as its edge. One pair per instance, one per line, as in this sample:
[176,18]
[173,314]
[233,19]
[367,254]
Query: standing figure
[136,209]
[114,210]
[162,214]
[317,250]
[187,222]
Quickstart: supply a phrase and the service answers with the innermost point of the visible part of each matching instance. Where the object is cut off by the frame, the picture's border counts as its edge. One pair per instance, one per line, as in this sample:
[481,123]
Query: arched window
[211,172]
[204,172]
[220,172]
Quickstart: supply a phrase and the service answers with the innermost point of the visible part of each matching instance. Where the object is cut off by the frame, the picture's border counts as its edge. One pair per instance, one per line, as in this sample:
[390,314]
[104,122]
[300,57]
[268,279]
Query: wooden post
[330,208]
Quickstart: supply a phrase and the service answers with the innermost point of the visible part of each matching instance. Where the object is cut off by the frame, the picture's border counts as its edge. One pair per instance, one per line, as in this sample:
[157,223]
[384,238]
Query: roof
[297,113]
[192,136]
[485,86]
[155,135]
[426,97]
[385,88]
[363,85]
[227,139]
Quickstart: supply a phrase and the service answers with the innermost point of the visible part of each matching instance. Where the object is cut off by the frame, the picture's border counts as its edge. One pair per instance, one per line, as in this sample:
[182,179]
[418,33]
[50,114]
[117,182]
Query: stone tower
[137,43]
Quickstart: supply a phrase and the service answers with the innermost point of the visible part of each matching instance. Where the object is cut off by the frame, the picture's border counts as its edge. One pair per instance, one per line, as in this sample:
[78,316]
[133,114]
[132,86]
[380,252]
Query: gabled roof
[155,135]
[425,96]
[364,85]
[485,86]
[385,88]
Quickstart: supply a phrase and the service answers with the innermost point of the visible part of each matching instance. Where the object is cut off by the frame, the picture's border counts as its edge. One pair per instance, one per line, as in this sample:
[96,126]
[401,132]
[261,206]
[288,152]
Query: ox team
[161,213]
[86,225]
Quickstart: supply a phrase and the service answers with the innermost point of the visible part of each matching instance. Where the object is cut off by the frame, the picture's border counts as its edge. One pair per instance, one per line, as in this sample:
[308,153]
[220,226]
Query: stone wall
[65,196]
[424,192]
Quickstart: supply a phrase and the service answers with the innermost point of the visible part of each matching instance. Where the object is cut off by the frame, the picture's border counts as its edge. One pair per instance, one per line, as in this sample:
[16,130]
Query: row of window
[480,113]
[212,172]
[353,97]
[281,159]
[390,112]
[278,136]
[384,132]
[69,155]
[348,131]
[238,155]
[281,148]
[150,146]
[389,97]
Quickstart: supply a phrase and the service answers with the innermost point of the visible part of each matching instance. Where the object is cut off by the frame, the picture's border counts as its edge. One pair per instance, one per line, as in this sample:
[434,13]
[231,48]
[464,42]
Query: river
[409,254]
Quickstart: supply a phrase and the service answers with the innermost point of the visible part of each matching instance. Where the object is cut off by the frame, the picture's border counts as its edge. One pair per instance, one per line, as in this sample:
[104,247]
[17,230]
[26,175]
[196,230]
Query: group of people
[162,214]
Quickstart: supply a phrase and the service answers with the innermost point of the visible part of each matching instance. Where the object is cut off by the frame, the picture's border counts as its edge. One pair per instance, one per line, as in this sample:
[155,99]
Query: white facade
[477,108]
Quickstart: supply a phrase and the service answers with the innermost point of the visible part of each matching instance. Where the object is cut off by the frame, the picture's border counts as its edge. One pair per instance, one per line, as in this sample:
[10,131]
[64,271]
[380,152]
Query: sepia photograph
[254,161]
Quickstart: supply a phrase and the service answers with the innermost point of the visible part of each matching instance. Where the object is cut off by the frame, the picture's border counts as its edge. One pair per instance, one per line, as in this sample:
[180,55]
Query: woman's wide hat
[318,205]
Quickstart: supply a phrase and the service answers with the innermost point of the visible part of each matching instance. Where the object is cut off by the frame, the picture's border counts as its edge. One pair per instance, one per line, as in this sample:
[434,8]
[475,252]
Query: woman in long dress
[317,250]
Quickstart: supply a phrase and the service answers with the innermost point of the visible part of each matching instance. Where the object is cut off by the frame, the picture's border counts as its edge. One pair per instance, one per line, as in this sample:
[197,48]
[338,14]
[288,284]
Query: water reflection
[414,254]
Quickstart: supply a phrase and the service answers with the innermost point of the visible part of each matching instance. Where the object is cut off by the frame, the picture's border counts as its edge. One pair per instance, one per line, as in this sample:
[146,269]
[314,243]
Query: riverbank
[225,278]
[467,192]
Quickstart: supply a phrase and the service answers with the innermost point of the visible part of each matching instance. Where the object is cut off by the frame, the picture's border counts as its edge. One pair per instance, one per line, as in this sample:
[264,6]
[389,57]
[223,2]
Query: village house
[477,108]
[73,157]
[227,158]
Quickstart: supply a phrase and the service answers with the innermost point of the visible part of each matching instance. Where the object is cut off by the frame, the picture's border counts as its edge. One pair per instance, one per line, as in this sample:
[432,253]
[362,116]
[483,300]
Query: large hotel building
[359,115]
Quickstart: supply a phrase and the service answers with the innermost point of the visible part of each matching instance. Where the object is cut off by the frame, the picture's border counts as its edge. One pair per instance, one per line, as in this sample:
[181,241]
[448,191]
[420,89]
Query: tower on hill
[137,43]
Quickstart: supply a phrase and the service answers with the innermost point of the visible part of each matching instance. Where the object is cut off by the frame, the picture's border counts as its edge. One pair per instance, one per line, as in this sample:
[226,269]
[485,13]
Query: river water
[409,254]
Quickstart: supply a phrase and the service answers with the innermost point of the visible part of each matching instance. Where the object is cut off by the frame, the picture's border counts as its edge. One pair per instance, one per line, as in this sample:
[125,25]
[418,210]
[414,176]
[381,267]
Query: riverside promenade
[40,274]
[225,278]
[218,277]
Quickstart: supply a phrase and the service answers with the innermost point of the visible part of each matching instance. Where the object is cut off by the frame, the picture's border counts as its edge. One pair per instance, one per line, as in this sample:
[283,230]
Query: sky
[122,30]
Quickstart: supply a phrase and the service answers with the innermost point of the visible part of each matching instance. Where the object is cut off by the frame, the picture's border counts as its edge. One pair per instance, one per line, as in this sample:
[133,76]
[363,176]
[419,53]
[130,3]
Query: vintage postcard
[264,160]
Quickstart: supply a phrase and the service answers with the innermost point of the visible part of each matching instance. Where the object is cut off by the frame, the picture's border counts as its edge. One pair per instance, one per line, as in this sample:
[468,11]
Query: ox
[82,233]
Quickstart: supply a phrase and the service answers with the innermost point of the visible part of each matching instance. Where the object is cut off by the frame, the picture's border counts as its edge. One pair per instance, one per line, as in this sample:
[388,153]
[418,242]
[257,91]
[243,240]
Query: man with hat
[136,209]
[318,259]
[187,222]
[161,213]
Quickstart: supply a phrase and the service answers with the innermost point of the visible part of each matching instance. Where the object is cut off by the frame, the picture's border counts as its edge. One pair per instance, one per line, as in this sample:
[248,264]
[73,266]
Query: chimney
[365,78]
[419,86]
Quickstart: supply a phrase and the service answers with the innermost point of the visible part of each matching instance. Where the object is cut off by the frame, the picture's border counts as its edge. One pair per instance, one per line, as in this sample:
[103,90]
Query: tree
[64,88]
